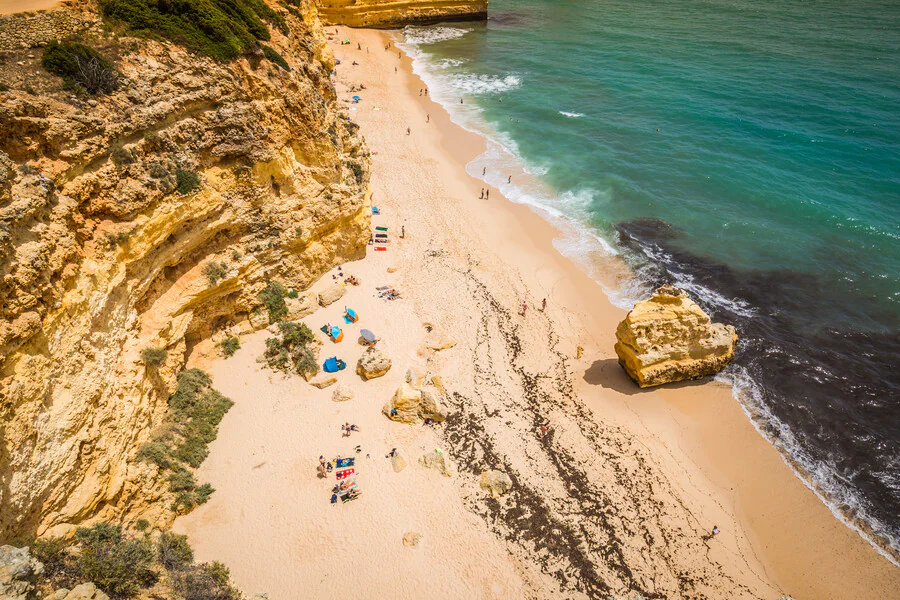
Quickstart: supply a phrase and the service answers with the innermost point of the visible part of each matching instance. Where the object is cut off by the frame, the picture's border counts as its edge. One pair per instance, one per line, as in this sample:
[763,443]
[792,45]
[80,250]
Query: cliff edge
[389,14]
[149,217]
[669,338]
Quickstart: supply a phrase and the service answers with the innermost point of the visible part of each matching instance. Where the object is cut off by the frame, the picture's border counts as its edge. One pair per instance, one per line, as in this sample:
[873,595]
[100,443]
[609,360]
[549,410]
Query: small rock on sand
[438,340]
[323,381]
[342,393]
[438,382]
[299,307]
[392,269]
[373,363]
[415,377]
[331,295]
[437,460]
[398,462]
[496,482]
[411,539]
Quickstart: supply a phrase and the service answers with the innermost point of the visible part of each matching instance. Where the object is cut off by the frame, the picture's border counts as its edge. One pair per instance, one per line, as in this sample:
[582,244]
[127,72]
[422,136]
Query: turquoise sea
[748,151]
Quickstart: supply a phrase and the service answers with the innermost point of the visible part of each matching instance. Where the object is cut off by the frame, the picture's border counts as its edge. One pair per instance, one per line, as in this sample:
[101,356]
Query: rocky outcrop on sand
[411,539]
[669,338]
[496,482]
[439,461]
[85,591]
[18,573]
[331,295]
[393,14]
[342,393]
[112,210]
[373,363]
[411,405]
[398,463]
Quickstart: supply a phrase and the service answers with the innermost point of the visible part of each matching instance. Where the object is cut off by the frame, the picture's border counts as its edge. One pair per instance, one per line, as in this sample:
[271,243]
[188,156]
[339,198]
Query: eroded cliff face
[394,13]
[101,256]
[669,338]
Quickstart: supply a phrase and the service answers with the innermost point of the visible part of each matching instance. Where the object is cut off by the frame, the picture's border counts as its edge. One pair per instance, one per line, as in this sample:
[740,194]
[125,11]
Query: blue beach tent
[333,365]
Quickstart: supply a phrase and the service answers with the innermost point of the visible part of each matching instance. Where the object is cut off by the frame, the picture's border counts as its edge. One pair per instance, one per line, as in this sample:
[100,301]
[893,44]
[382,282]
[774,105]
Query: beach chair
[381,229]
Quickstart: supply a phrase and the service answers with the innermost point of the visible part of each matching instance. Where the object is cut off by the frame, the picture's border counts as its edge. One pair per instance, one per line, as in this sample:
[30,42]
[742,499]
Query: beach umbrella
[357,98]
[367,335]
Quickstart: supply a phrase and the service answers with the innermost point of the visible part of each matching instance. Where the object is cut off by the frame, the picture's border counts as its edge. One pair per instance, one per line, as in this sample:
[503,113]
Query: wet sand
[615,499]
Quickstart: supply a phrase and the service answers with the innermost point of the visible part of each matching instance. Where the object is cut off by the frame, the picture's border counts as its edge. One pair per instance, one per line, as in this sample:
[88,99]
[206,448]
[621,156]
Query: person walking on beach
[358,47]
[481,197]
[403,231]
[487,194]
[543,305]
[524,308]
[426,91]
[420,91]
[483,171]
[460,100]
[407,131]
[428,118]
[509,179]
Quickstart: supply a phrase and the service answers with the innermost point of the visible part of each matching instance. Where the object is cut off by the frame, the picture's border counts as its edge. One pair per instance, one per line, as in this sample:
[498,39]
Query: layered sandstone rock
[395,13]
[669,338]
[101,256]
[373,363]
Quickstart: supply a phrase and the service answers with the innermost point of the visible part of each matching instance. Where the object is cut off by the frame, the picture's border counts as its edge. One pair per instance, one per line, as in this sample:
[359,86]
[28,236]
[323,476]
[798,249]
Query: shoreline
[717,465]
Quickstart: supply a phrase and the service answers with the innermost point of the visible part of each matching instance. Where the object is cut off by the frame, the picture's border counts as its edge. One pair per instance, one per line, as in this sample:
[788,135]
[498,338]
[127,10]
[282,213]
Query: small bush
[116,564]
[81,67]
[357,169]
[273,298]
[174,552]
[274,57]
[158,170]
[156,452]
[296,334]
[187,181]
[214,272]
[293,294]
[230,345]
[52,552]
[142,525]
[205,582]
[290,352]
[154,357]
[122,156]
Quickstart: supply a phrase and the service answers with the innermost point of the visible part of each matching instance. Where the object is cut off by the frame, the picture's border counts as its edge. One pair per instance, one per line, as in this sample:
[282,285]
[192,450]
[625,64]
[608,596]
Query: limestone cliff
[394,13]
[669,338]
[105,236]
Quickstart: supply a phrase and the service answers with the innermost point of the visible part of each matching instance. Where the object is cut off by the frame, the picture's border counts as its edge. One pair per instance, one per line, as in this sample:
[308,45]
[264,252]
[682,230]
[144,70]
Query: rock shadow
[609,374]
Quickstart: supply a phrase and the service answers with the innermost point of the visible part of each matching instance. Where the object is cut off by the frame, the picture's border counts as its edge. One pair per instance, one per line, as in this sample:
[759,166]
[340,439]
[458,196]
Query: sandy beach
[617,498]
[8,7]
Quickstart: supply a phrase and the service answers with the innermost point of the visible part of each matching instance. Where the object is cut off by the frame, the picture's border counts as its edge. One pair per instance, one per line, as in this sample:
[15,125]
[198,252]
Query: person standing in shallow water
[487,194]
[481,197]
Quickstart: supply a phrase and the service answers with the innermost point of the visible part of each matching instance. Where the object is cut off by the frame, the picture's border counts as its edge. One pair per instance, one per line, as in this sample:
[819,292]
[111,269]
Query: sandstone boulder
[438,461]
[669,338]
[299,307]
[373,363]
[18,571]
[438,342]
[342,393]
[85,591]
[496,482]
[259,319]
[412,406]
[411,539]
[331,295]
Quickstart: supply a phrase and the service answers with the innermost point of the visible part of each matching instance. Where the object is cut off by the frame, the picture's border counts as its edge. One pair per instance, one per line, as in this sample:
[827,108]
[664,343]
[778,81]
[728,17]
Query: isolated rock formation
[398,463]
[85,591]
[412,406]
[323,380]
[112,208]
[669,338]
[331,295]
[395,14]
[373,363]
[496,482]
[411,539]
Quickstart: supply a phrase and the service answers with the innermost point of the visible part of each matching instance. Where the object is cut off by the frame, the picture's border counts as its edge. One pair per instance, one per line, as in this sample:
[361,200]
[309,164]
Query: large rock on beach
[299,307]
[18,571]
[411,406]
[373,363]
[331,295]
[669,338]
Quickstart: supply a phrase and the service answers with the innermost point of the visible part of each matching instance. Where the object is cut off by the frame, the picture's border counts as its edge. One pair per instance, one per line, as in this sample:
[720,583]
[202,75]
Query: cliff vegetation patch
[221,29]
[182,441]
[291,352]
[127,564]
[81,67]
[274,57]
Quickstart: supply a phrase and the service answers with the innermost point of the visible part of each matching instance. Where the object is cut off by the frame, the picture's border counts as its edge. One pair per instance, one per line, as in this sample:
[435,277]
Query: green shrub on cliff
[230,345]
[182,441]
[81,67]
[214,272]
[118,565]
[187,181]
[154,357]
[274,57]
[291,352]
[272,297]
[221,29]
[173,551]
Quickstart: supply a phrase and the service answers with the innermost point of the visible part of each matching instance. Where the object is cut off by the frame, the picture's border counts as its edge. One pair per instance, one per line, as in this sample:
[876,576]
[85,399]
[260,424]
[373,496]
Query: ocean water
[748,151]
